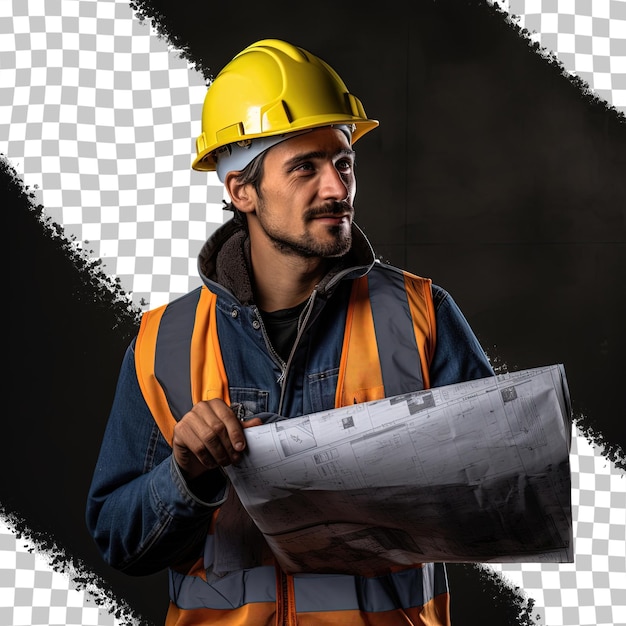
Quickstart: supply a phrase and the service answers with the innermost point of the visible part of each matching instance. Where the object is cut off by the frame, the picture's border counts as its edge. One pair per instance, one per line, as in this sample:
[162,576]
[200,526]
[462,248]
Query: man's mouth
[336,214]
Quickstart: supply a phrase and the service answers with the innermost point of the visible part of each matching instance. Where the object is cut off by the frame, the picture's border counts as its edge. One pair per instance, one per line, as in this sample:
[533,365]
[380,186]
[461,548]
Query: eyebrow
[318,154]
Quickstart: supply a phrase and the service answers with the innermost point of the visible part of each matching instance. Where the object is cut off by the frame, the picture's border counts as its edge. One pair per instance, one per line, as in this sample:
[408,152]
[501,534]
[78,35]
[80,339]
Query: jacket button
[234,313]
[256,325]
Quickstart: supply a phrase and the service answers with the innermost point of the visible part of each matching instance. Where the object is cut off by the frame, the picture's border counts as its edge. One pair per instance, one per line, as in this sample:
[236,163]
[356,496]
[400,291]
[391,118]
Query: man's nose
[334,185]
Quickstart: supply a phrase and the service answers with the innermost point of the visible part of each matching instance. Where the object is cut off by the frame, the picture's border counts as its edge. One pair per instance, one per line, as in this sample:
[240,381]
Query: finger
[218,429]
[214,443]
[189,445]
[253,421]
[190,463]
[200,437]
[232,438]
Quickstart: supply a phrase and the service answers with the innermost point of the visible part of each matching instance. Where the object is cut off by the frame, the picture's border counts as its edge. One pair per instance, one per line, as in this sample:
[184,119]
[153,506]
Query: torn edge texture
[80,578]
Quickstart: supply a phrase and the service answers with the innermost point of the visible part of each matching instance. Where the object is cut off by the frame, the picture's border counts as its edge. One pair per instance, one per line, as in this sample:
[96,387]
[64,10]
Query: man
[295,316]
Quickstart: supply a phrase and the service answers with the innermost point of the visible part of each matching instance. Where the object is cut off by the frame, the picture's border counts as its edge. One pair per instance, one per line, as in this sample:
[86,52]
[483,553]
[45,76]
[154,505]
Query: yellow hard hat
[272,88]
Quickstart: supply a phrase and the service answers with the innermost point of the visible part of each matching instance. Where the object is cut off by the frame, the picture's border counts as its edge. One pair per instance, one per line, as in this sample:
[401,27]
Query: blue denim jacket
[142,514]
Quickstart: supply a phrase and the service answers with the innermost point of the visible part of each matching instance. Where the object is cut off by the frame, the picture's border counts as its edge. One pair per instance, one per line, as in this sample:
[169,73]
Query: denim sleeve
[140,511]
[458,357]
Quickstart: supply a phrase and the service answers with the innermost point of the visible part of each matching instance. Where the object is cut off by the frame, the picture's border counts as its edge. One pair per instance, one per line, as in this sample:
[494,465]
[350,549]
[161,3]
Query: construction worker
[295,315]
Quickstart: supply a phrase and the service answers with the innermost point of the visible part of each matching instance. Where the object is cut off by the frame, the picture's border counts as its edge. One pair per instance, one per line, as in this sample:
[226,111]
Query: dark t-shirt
[282,328]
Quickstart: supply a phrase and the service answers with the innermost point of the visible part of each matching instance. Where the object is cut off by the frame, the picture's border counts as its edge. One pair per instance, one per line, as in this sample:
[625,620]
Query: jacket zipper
[302,322]
[285,366]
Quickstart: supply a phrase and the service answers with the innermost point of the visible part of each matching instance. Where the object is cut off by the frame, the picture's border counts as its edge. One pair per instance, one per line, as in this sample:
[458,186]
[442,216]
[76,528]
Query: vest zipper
[285,601]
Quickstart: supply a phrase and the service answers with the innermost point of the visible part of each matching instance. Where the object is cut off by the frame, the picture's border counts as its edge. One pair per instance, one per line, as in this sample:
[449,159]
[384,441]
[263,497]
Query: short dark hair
[252,174]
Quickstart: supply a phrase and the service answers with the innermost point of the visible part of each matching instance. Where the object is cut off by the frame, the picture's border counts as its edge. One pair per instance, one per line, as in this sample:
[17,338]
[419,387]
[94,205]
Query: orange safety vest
[264,595]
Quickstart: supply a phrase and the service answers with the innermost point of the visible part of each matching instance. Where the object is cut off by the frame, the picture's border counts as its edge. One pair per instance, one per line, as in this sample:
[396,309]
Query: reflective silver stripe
[434,580]
[230,592]
[382,593]
[314,592]
[400,366]
[440,577]
[172,357]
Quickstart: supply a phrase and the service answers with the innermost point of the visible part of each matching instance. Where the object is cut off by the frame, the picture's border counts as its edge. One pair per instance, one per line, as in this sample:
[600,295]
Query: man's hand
[210,435]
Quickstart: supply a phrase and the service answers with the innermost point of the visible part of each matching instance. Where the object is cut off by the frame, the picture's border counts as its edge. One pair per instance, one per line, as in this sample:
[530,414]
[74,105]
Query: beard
[307,245]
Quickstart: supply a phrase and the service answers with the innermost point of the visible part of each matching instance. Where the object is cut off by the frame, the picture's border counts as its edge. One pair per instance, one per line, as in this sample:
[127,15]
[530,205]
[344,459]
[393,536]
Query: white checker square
[109,249]
[617,91]
[126,267]
[24,578]
[567,6]
[566,43]
[600,46]
[21,97]
[618,65]
[162,265]
[7,599]
[41,597]
[529,7]
[601,597]
[583,24]
[38,40]
[128,231]
[583,62]
[182,284]
[602,82]
[92,232]
[603,8]
[180,248]
[550,23]
[617,31]
[617,517]
[22,616]
[21,23]
[7,44]
[587,615]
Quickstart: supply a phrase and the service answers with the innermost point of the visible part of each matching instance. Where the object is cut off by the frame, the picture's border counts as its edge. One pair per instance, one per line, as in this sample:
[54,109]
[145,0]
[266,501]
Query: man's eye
[344,165]
[304,166]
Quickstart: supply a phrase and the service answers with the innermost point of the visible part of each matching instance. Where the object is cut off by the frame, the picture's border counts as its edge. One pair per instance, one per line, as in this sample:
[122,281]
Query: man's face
[305,203]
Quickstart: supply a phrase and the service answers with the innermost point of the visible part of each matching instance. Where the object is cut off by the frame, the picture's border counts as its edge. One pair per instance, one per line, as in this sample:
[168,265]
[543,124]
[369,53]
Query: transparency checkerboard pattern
[99,114]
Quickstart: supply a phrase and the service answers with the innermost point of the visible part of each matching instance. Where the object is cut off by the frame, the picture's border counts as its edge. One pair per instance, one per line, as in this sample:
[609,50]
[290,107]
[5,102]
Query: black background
[492,172]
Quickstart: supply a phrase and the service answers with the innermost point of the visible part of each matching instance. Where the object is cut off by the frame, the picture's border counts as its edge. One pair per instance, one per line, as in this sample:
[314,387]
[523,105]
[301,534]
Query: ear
[243,196]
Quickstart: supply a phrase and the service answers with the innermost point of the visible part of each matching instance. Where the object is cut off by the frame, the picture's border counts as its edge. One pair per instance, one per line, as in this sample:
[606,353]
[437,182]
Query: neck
[283,281]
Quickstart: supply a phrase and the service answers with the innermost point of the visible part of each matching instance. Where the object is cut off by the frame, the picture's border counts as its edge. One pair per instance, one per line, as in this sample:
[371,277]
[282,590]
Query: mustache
[333,208]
